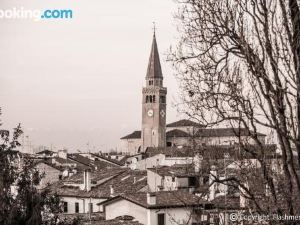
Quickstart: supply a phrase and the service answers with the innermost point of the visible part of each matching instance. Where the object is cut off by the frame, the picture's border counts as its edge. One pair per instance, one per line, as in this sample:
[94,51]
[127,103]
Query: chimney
[88,180]
[151,198]
[87,184]
[112,191]
[134,180]
[212,183]
[198,162]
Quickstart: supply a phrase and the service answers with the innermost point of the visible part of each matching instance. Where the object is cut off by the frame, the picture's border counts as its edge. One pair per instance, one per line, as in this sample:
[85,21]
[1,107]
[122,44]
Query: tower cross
[154,27]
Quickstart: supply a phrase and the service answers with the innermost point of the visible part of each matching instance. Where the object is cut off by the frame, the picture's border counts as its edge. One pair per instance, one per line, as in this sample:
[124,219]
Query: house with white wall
[164,157]
[160,208]
[177,177]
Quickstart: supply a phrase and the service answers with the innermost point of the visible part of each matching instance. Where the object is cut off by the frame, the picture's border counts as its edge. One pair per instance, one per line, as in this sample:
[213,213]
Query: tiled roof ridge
[184,123]
[110,160]
[69,157]
[110,178]
[60,168]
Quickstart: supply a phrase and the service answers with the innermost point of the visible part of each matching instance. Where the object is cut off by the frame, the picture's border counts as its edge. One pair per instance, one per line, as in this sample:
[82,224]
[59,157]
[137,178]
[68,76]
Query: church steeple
[154,103]
[154,67]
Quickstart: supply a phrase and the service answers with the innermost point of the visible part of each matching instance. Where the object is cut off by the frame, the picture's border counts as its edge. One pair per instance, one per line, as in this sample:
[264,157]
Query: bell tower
[154,103]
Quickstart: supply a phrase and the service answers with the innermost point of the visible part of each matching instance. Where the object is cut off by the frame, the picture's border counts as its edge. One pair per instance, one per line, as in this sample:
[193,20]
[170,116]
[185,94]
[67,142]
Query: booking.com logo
[36,14]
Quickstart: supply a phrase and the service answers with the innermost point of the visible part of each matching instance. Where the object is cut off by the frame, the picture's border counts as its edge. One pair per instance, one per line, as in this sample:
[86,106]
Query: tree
[238,63]
[20,202]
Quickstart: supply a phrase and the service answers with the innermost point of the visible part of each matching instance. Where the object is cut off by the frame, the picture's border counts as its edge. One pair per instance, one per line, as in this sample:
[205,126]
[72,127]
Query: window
[90,207]
[169,144]
[65,207]
[162,99]
[192,181]
[150,98]
[205,179]
[153,98]
[147,98]
[161,219]
[76,207]
[60,177]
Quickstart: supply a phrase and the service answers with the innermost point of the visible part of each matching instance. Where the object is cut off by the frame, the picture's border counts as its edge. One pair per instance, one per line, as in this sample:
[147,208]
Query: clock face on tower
[150,112]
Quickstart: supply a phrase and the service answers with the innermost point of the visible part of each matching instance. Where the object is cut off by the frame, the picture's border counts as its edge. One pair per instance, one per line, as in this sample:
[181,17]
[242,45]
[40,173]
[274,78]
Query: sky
[78,81]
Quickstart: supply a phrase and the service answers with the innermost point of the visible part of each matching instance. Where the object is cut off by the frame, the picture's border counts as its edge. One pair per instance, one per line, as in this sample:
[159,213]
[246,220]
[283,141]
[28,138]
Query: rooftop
[60,168]
[120,179]
[177,133]
[108,159]
[46,151]
[164,199]
[224,132]
[81,159]
[67,162]
[184,123]
[203,132]
[134,135]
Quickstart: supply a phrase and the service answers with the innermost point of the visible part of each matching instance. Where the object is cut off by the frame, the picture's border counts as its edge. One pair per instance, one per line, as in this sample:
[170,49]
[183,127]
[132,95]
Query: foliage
[238,64]
[20,202]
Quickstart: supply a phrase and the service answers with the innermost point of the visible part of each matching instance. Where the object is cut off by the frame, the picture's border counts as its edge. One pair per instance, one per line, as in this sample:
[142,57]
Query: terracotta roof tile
[134,135]
[164,199]
[177,133]
[46,151]
[121,179]
[224,132]
[184,123]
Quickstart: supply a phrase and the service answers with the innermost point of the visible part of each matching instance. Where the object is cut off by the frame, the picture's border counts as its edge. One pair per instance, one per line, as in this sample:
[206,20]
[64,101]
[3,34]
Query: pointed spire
[154,67]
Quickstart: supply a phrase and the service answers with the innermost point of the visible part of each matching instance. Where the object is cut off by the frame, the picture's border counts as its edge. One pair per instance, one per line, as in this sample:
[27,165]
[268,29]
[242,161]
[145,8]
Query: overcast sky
[70,82]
